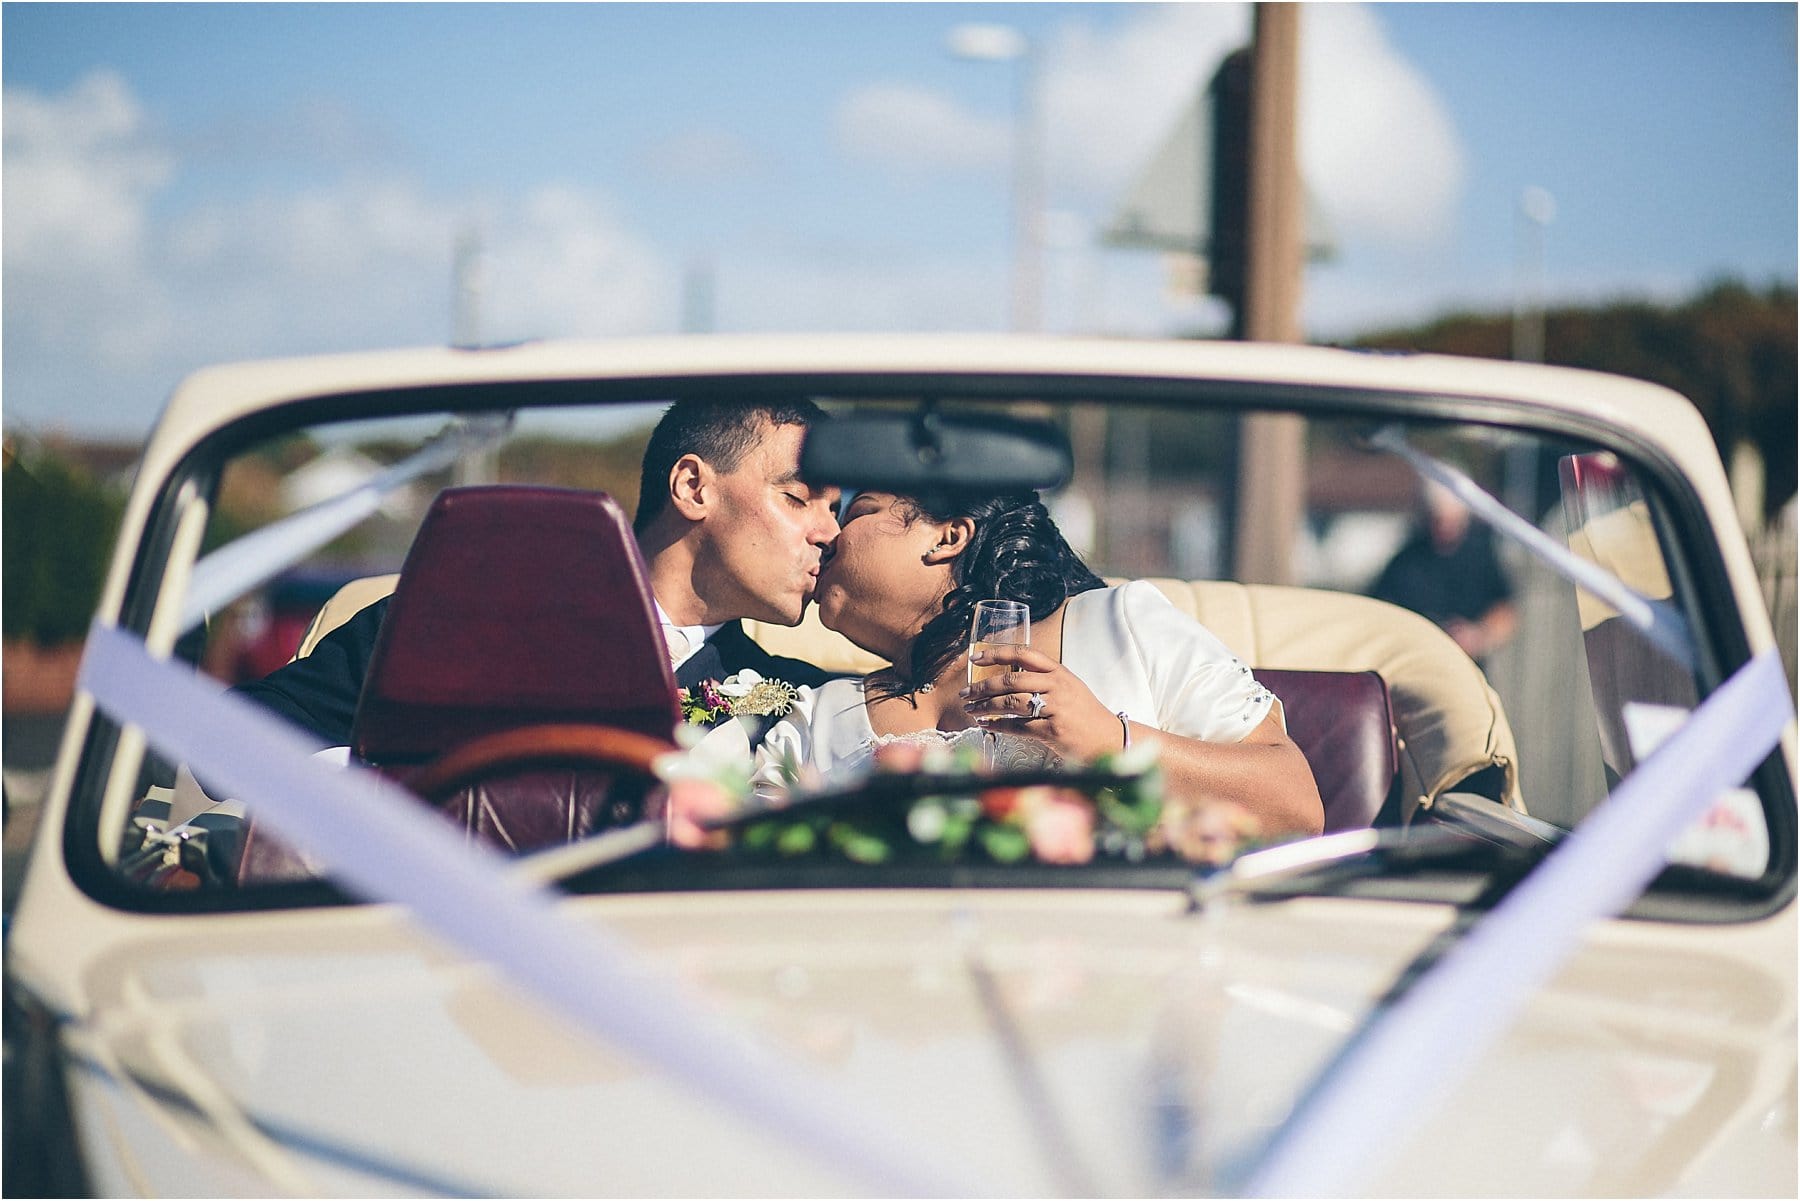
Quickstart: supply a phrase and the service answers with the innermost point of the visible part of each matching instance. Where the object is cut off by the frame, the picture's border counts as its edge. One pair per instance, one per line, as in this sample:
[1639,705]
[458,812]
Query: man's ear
[953,540]
[690,487]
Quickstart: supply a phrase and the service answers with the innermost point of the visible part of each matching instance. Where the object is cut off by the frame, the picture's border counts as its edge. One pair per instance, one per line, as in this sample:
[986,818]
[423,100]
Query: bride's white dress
[1131,646]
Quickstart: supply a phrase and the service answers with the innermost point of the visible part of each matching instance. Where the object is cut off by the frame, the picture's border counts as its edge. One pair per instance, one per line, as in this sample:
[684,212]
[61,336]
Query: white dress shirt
[682,641]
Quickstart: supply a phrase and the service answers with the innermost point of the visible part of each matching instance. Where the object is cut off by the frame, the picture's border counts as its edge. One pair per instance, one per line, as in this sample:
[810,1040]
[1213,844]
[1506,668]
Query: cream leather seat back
[344,604]
[1449,721]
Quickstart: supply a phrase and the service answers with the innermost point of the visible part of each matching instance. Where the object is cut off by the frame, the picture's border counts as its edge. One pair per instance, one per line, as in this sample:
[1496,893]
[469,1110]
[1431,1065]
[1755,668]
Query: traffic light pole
[1271,455]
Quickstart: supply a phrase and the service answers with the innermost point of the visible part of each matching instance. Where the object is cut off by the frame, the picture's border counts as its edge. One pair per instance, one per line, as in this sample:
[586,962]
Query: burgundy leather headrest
[516,606]
[1343,724]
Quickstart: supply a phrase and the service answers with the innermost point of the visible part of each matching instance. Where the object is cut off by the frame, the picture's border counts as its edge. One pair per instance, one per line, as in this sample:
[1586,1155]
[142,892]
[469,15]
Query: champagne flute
[997,623]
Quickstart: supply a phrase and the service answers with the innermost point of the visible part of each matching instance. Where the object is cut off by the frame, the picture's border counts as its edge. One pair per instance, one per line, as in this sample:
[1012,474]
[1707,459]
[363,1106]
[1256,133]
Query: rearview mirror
[929,451]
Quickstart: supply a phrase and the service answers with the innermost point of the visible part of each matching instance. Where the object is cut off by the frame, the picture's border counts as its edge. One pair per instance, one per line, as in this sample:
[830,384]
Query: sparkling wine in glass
[997,623]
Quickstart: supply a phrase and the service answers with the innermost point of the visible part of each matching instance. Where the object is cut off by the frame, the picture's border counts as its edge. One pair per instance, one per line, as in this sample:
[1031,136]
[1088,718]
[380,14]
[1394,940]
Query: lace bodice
[1010,752]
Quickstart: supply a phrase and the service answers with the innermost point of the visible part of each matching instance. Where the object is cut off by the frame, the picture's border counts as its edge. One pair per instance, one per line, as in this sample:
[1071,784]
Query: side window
[1640,693]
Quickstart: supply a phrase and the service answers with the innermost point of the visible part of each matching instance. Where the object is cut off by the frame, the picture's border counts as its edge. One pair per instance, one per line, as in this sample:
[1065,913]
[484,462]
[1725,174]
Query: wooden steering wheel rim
[543,745]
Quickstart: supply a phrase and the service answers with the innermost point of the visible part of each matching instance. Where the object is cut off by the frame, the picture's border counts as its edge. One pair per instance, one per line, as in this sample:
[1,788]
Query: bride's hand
[1070,718]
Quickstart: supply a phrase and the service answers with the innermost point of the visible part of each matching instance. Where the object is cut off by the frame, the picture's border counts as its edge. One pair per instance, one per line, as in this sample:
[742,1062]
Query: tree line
[60,526]
[1730,349]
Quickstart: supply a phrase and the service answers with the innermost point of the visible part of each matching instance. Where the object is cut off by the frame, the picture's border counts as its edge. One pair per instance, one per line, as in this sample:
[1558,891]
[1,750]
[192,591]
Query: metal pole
[465,294]
[478,464]
[1537,208]
[1271,471]
[697,291]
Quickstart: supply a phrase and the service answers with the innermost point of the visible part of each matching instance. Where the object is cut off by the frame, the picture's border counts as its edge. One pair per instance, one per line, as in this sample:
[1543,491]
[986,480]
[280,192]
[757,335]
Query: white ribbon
[1660,622]
[239,566]
[1410,1056]
[381,843]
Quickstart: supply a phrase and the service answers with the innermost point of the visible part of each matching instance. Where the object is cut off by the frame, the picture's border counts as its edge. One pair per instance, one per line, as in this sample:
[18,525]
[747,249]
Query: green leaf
[858,846]
[956,834]
[1005,844]
[797,839]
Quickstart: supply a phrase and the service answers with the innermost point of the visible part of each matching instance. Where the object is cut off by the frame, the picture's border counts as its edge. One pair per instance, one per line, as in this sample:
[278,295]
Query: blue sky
[185,184]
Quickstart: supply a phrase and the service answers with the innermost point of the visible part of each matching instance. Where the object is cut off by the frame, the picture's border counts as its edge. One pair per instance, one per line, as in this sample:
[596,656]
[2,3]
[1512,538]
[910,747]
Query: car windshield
[1432,668]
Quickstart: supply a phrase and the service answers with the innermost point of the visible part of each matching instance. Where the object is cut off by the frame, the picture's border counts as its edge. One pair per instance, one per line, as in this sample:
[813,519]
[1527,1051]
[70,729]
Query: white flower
[739,685]
[926,820]
[1142,755]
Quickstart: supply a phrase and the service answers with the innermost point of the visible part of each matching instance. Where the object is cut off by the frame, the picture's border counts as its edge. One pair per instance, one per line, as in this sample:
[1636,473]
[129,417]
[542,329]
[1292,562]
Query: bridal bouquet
[1130,820]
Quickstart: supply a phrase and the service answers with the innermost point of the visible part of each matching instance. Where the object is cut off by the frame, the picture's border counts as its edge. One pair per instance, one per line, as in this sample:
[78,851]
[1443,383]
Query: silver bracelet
[1125,725]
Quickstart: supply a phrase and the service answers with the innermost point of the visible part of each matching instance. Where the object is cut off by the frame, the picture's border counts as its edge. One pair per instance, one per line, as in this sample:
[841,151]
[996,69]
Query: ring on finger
[1037,705]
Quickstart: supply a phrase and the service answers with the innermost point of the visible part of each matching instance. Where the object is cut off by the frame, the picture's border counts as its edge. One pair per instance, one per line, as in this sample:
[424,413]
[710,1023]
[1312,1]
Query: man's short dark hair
[719,431]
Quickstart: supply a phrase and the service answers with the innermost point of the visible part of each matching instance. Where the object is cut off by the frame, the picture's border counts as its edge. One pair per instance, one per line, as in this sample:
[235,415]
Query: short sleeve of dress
[1195,685]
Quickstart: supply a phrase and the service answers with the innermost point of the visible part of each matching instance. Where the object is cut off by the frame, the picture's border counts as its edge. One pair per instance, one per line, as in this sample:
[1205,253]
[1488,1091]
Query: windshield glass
[761,682]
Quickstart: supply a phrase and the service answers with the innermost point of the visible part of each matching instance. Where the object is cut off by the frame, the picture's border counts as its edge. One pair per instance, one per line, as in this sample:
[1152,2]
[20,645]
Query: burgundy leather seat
[519,607]
[1343,724]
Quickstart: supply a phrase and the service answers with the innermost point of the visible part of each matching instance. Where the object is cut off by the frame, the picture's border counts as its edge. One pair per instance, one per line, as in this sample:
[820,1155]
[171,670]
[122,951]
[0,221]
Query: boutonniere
[746,694]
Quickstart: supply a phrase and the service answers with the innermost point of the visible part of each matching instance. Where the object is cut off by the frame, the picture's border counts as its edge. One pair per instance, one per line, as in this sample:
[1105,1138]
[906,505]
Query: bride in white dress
[1107,666]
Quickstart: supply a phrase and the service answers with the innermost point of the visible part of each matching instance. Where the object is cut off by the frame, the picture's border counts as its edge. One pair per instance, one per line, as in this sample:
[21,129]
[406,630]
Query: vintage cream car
[1546,946]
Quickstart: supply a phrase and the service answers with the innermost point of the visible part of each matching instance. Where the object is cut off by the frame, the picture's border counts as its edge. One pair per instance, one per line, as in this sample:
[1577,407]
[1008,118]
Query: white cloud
[368,262]
[912,130]
[1110,98]
[108,301]
[562,265]
[116,283]
[1378,147]
[1376,142]
[78,171]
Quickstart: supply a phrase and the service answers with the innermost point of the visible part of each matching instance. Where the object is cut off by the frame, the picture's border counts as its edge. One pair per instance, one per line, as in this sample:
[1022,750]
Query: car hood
[1086,1043]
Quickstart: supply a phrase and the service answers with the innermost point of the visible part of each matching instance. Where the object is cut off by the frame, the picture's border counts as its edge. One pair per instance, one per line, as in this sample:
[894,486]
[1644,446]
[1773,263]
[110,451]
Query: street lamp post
[1537,209]
[1004,43]
[478,464]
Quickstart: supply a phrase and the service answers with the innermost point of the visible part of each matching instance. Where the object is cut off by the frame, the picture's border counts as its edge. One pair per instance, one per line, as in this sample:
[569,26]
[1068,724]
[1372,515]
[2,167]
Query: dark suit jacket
[319,692]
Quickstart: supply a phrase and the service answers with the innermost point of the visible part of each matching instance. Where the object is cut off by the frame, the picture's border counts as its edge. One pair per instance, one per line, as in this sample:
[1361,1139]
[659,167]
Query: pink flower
[899,757]
[1207,831]
[684,804]
[1059,822]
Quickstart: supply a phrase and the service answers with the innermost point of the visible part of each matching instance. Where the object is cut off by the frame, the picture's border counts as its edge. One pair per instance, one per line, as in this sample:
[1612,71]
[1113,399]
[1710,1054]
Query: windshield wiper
[1323,865]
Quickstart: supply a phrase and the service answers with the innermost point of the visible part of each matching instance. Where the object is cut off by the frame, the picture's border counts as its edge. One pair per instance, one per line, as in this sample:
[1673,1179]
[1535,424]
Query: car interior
[516,689]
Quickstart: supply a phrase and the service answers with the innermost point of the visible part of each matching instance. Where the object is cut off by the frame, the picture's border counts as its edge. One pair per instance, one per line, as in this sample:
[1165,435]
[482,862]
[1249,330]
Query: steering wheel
[555,745]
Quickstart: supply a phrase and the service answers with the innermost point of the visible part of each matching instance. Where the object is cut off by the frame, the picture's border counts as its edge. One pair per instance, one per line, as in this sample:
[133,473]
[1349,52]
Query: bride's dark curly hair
[1016,553]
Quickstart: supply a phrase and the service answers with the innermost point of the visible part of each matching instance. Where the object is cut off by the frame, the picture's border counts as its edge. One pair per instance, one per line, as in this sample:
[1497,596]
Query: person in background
[1448,570]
